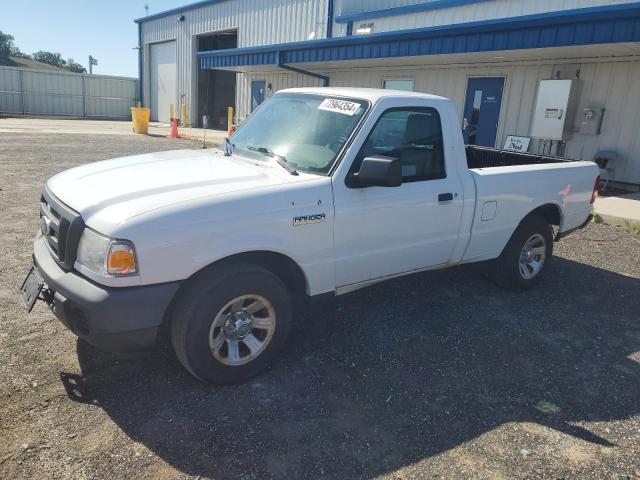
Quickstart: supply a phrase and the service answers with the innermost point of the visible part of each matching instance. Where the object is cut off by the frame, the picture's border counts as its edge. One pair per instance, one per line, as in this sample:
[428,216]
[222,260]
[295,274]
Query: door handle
[445,197]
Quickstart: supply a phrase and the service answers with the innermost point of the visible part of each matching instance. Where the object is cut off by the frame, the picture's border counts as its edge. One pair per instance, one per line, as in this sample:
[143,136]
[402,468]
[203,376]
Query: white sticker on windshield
[339,106]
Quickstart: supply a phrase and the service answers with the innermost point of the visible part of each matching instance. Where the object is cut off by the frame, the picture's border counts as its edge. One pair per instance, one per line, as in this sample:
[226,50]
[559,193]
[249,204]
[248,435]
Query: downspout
[350,28]
[140,69]
[281,64]
[330,19]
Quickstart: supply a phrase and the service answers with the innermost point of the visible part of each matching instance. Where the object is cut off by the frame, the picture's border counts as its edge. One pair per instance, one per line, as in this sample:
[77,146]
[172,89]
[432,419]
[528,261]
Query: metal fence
[26,91]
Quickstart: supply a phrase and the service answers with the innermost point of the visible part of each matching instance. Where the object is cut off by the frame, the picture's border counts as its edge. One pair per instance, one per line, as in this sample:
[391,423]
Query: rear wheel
[524,260]
[231,323]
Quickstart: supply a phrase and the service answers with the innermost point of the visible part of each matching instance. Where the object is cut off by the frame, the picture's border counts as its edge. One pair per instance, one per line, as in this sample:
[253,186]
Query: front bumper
[121,320]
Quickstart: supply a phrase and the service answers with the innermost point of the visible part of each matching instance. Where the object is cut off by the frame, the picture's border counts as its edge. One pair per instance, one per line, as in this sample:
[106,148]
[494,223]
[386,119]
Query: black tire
[205,296]
[505,270]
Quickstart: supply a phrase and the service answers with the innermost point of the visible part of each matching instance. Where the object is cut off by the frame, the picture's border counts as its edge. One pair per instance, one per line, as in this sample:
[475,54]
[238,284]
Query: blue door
[257,93]
[482,111]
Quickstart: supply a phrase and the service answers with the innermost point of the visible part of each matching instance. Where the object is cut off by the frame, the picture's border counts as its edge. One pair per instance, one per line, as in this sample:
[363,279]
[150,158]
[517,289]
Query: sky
[77,29]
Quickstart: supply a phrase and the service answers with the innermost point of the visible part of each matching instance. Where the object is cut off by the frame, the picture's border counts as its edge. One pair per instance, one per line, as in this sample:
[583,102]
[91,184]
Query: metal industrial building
[489,56]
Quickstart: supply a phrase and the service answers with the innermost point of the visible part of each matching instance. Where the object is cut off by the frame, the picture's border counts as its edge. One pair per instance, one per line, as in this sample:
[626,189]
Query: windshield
[306,131]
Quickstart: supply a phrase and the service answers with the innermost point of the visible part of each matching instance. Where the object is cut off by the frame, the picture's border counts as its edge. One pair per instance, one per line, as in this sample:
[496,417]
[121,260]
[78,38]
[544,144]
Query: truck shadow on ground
[391,375]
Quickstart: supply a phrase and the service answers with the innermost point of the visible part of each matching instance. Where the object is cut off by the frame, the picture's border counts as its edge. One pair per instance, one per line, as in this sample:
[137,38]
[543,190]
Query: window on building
[399,84]
[365,28]
[414,135]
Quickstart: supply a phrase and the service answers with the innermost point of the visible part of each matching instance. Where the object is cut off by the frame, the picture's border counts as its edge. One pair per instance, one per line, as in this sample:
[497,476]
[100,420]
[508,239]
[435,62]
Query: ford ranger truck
[321,191]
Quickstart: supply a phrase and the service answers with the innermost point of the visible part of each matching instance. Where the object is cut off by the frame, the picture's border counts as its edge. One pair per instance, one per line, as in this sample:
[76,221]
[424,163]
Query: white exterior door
[162,80]
[384,231]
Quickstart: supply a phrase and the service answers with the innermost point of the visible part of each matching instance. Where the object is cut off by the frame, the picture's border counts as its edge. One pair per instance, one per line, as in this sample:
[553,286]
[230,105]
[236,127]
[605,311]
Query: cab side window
[413,135]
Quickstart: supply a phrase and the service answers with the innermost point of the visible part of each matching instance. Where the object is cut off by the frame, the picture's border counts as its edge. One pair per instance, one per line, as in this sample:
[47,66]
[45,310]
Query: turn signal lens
[121,259]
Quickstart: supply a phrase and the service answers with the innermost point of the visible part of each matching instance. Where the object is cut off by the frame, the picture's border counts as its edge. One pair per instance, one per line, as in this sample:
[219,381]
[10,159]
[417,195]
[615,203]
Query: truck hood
[110,192]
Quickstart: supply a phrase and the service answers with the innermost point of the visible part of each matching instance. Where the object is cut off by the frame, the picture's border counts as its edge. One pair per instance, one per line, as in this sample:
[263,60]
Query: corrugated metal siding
[258,22]
[609,85]
[351,10]
[40,92]
[278,81]
[453,15]
[344,7]
[614,87]
[10,90]
[109,87]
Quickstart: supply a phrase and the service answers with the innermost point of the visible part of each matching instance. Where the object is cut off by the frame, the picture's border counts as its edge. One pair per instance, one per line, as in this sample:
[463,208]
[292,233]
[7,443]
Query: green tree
[74,67]
[17,53]
[6,44]
[49,58]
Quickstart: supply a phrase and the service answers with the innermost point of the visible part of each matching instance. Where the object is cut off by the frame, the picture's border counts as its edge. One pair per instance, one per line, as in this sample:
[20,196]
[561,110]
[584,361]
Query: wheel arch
[287,269]
[501,268]
[281,265]
[551,212]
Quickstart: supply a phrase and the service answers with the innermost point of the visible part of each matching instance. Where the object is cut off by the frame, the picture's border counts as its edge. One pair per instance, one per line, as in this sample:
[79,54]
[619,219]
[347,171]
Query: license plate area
[31,288]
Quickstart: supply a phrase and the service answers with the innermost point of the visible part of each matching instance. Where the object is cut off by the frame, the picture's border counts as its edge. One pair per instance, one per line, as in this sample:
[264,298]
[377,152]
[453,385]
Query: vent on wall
[569,71]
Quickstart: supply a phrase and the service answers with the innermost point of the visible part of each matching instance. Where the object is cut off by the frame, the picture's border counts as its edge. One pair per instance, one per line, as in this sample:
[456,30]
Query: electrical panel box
[591,121]
[553,109]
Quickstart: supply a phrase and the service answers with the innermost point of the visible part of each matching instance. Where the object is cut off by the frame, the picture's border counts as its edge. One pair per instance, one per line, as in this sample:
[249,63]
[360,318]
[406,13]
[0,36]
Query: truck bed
[504,196]
[484,157]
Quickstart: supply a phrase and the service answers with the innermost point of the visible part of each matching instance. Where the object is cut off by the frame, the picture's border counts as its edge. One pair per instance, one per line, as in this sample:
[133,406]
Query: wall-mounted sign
[552,113]
[514,143]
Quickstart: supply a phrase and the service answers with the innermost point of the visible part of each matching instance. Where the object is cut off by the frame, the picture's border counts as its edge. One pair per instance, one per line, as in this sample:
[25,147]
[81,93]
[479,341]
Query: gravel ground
[438,375]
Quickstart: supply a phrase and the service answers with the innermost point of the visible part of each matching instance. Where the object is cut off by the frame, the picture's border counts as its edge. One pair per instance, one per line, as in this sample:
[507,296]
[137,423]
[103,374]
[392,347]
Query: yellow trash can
[140,119]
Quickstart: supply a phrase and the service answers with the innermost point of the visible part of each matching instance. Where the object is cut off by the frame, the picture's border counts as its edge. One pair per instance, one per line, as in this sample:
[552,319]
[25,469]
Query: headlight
[106,256]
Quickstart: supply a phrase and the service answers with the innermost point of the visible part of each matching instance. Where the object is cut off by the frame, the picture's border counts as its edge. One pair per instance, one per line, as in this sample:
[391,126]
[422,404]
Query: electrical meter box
[591,121]
[553,109]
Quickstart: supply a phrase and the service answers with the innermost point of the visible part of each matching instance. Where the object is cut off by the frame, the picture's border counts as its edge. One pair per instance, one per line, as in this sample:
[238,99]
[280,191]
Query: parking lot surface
[437,375]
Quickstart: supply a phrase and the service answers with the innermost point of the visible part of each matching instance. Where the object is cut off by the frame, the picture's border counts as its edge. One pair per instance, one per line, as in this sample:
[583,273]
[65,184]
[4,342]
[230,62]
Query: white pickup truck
[321,191]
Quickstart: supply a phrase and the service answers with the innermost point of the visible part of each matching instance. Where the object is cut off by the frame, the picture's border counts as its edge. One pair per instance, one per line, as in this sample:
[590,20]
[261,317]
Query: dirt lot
[441,375]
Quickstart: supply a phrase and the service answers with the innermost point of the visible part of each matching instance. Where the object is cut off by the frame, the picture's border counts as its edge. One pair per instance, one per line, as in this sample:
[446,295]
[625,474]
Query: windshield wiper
[279,158]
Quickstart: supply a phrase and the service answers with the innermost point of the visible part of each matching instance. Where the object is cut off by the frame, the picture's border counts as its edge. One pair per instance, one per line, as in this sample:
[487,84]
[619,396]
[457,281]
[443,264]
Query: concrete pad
[619,210]
[98,127]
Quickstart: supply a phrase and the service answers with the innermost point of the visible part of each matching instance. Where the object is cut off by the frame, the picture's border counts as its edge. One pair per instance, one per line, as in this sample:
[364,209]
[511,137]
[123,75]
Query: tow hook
[48,296]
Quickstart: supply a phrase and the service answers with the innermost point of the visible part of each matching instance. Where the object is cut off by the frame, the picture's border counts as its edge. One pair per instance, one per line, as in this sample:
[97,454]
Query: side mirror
[227,147]
[378,171]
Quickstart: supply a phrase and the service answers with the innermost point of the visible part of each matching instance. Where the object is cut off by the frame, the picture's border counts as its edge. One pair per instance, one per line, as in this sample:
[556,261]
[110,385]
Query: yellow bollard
[171,117]
[184,115]
[229,121]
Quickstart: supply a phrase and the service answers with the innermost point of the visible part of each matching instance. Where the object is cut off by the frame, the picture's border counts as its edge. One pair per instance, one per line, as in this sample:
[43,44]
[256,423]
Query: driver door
[385,231]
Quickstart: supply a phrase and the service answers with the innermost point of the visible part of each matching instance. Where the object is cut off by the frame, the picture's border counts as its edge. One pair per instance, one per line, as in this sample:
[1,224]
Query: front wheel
[525,258]
[231,323]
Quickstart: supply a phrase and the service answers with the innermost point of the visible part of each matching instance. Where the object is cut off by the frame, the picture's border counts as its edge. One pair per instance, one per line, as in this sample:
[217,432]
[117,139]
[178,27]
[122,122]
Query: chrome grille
[49,224]
[61,227]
